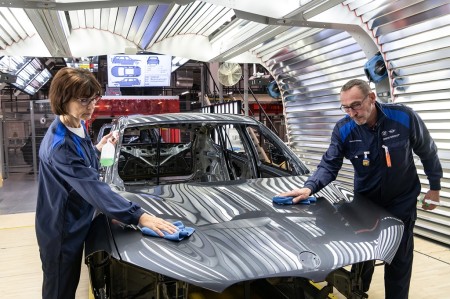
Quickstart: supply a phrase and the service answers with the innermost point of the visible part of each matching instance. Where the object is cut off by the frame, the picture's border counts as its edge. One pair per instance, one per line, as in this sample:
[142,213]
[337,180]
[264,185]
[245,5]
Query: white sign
[139,70]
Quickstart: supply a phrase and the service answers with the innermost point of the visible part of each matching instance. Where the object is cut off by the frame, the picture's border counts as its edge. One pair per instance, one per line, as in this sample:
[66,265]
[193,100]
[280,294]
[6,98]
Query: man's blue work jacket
[398,133]
[70,192]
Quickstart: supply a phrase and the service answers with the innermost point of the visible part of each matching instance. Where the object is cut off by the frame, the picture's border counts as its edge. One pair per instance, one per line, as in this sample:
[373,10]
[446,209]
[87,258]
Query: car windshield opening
[153,155]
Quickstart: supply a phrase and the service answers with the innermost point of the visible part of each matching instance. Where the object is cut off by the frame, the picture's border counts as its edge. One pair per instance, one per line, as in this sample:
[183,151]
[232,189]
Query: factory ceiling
[212,30]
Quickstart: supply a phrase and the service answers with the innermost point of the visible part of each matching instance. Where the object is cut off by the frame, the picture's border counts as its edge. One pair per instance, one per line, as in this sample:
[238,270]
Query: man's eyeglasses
[354,106]
[87,101]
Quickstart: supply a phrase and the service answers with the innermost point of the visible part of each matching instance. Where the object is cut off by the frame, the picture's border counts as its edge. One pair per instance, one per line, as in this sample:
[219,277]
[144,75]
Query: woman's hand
[157,224]
[111,137]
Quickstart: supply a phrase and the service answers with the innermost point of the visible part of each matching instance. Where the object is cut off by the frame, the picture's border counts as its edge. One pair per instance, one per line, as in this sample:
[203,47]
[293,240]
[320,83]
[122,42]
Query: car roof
[191,117]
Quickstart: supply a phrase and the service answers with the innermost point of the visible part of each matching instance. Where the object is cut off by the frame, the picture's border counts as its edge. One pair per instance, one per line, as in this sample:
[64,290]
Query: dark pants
[61,278]
[397,275]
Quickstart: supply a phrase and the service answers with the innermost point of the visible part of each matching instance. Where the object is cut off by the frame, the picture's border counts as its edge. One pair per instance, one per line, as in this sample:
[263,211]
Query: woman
[69,187]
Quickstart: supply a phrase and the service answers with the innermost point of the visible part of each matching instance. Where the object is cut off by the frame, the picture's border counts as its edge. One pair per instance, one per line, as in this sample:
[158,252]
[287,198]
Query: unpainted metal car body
[218,173]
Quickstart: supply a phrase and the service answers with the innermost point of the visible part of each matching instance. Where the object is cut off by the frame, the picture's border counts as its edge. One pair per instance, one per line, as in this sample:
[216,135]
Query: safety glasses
[87,101]
[354,106]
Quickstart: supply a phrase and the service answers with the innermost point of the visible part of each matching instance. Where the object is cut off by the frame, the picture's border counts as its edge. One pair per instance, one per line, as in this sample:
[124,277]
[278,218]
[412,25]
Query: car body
[133,136]
[127,82]
[126,71]
[218,173]
[124,60]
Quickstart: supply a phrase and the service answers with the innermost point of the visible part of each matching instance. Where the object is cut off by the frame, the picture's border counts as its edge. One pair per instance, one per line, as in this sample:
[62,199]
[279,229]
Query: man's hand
[157,224]
[432,195]
[298,194]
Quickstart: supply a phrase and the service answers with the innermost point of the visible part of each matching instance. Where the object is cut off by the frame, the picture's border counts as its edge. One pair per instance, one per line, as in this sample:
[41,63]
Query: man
[379,140]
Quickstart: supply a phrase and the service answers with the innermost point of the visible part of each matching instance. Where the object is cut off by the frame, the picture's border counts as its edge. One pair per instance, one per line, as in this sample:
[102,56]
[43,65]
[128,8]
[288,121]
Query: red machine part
[111,107]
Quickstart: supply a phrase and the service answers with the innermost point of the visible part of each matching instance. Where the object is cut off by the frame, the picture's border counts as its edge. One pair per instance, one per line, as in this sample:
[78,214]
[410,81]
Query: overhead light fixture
[185,92]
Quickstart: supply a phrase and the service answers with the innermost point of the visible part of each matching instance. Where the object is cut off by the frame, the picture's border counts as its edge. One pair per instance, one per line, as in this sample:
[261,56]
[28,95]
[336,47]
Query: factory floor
[21,276]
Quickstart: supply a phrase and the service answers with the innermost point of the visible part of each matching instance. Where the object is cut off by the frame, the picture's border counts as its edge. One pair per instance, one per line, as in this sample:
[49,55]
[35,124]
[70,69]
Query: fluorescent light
[185,92]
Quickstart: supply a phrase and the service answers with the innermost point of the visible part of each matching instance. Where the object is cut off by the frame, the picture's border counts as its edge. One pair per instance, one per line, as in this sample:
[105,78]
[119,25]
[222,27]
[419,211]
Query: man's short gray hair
[361,84]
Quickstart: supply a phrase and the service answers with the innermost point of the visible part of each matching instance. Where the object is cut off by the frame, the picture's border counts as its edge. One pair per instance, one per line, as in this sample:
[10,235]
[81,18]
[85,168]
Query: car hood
[240,234]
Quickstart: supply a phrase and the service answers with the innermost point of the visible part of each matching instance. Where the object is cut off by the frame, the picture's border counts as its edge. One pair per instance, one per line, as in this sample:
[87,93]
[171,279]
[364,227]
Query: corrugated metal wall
[415,41]
[310,66]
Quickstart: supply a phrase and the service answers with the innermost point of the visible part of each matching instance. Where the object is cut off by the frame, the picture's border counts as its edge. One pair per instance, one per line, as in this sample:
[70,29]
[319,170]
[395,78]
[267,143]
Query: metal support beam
[220,93]
[49,28]
[86,4]
[246,89]
[2,148]
[292,22]
[202,84]
[33,138]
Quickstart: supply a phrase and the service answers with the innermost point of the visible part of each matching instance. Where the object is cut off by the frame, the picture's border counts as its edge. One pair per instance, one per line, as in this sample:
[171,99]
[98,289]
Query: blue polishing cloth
[287,200]
[180,234]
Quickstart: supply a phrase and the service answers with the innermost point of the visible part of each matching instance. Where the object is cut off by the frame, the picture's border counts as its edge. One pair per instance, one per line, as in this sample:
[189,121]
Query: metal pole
[202,84]
[220,93]
[33,138]
[2,152]
[246,89]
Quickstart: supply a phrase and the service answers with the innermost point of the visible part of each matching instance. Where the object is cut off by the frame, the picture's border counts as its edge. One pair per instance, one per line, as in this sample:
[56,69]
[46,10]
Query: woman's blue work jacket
[70,191]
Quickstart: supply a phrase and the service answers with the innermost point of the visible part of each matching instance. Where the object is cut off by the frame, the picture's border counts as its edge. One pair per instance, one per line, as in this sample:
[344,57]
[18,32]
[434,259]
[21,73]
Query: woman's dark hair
[70,83]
